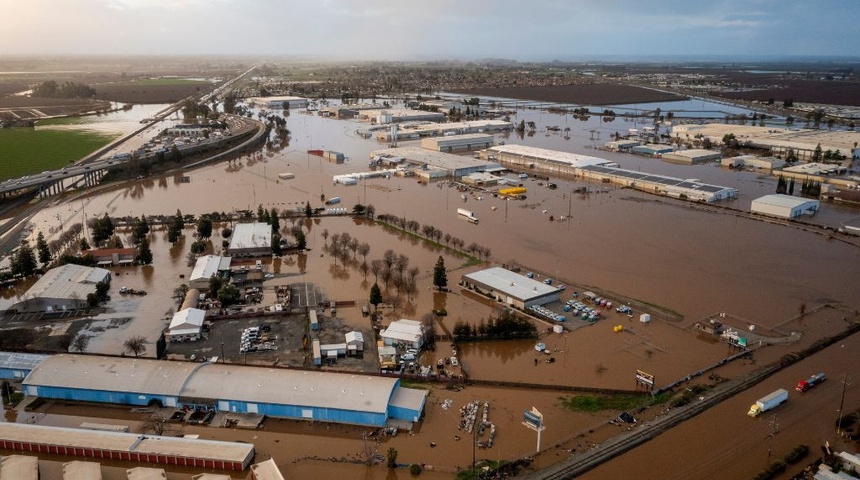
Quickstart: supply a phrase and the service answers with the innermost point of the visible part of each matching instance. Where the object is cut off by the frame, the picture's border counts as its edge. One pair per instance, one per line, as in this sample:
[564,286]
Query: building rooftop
[267,470]
[251,235]
[513,284]
[19,467]
[146,473]
[567,158]
[658,179]
[785,201]
[208,265]
[433,158]
[694,153]
[80,470]
[126,442]
[20,361]
[808,139]
[411,398]
[461,126]
[813,169]
[68,281]
[187,321]
[294,387]
[123,374]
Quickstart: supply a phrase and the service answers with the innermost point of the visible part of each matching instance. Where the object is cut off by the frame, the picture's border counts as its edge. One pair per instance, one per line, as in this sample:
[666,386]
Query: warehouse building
[784,206]
[205,268]
[146,473]
[19,467]
[511,288]
[14,365]
[434,165]
[267,470]
[80,470]
[399,115]
[283,102]
[61,289]
[403,332]
[422,130]
[659,184]
[652,150]
[112,257]
[692,157]
[528,158]
[133,447]
[802,142]
[753,161]
[276,392]
[457,143]
[621,145]
[251,240]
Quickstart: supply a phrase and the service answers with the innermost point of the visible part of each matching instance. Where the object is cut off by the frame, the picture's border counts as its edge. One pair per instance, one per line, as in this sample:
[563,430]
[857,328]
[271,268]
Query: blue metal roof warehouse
[17,365]
[276,392]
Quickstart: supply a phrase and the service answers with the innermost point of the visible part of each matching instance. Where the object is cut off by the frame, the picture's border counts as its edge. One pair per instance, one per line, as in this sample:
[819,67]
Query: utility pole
[841,404]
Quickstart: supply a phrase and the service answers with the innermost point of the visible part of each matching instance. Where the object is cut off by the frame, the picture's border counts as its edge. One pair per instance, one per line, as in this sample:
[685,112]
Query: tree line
[505,325]
[52,89]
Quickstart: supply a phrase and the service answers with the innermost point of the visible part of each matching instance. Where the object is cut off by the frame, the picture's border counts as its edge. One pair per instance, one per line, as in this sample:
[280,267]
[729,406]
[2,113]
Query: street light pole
[222,353]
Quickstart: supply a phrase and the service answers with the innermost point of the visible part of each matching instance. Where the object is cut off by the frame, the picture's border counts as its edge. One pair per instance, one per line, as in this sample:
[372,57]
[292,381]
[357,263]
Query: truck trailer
[768,402]
[810,382]
[470,215]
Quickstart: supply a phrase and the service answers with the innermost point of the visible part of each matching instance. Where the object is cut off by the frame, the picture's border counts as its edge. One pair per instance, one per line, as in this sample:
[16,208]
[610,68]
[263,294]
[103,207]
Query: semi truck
[810,382]
[470,215]
[768,402]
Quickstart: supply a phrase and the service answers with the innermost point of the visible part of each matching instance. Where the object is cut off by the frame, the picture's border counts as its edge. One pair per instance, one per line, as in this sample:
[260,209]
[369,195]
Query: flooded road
[657,250]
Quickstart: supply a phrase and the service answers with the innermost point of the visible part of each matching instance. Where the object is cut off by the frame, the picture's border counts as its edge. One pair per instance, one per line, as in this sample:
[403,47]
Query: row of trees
[435,234]
[52,89]
[503,326]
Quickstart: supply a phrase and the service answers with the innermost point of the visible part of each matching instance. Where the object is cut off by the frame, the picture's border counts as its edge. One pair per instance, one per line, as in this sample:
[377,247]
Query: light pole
[222,353]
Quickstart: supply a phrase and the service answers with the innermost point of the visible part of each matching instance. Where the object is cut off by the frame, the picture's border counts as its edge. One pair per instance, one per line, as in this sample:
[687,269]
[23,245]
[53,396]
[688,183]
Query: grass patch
[597,403]
[405,382]
[24,151]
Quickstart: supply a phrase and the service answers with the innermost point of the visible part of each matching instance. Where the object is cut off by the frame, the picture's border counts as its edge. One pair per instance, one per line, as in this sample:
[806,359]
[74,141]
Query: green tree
[228,295]
[274,221]
[301,241]
[24,261]
[392,457]
[141,229]
[144,253]
[440,275]
[175,227]
[85,245]
[375,295]
[204,227]
[102,290]
[42,248]
[215,284]
[816,155]
[308,210]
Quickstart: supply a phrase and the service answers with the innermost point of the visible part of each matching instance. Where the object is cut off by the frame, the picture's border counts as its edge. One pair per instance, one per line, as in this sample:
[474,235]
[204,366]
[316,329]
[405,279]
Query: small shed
[187,325]
[354,341]
[317,353]
[333,350]
[315,323]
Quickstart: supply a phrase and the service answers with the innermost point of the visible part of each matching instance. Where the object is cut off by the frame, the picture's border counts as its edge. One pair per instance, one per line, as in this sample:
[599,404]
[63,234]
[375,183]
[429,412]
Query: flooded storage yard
[688,259]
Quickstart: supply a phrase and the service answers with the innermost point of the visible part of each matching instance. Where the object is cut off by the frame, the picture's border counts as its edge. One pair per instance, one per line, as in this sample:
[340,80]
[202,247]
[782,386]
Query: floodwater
[665,252]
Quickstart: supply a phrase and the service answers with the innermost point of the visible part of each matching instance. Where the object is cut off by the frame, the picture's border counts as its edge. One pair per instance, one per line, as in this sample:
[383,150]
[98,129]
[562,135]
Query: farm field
[25,150]
[586,94]
[154,90]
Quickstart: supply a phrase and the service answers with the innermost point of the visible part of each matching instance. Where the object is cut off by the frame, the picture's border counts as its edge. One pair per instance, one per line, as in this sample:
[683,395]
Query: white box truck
[768,402]
[470,215]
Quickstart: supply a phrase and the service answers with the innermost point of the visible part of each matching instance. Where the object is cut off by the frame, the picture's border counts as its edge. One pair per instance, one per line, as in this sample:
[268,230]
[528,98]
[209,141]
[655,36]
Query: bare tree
[325,235]
[135,344]
[376,268]
[79,343]
[363,250]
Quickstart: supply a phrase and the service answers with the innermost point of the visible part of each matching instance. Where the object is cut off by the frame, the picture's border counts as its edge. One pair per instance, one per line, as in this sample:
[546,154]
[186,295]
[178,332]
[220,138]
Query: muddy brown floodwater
[661,251]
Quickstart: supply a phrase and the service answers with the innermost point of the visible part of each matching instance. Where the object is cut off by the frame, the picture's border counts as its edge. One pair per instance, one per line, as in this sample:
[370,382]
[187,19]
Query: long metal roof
[784,201]
[251,235]
[656,179]
[120,374]
[68,281]
[513,284]
[129,442]
[20,361]
[206,266]
[292,387]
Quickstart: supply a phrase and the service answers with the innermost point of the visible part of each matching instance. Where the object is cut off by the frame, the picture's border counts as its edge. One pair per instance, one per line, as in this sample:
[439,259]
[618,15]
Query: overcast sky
[405,29]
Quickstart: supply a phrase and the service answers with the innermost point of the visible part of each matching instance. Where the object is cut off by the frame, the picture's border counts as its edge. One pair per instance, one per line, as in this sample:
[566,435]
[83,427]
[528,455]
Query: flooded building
[146,473]
[19,467]
[405,332]
[267,470]
[753,161]
[275,392]
[251,240]
[79,470]
[62,288]
[652,150]
[692,156]
[133,447]
[186,325]
[455,143]
[659,184]
[398,115]
[511,288]
[621,145]
[784,206]
[432,165]
[421,130]
[528,158]
[113,257]
[207,267]
[283,102]
[15,365]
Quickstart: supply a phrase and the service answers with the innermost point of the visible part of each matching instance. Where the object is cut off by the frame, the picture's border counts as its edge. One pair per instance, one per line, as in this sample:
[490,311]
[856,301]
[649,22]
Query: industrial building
[432,165]
[456,143]
[267,470]
[19,467]
[409,333]
[283,102]
[61,289]
[659,184]
[527,158]
[205,268]
[133,447]
[251,240]
[186,325]
[652,150]
[80,470]
[621,145]
[15,365]
[146,473]
[421,130]
[480,179]
[692,157]
[753,161]
[511,288]
[276,392]
[399,115]
[802,142]
[784,206]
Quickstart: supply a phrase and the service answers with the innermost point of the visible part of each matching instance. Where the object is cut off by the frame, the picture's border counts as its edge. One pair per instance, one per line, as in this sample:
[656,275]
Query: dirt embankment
[586,94]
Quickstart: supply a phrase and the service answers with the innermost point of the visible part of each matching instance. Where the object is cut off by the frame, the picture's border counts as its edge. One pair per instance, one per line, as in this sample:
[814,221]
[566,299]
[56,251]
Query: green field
[24,151]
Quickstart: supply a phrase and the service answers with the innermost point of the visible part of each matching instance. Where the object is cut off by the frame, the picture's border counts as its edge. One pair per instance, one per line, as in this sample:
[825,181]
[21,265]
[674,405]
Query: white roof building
[19,467]
[523,152]
[267,470]
[354,341]
[511,288]
[784,206]
[79,470]
[62,288]
[146,473]
[186,325]
[206,267]
[403,331]
[251,239]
